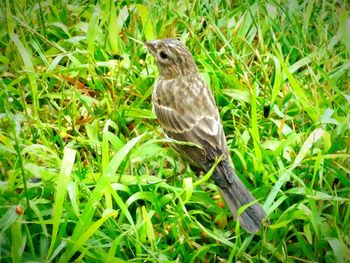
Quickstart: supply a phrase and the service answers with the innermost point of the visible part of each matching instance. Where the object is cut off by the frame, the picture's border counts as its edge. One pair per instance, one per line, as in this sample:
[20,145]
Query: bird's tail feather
[237,195]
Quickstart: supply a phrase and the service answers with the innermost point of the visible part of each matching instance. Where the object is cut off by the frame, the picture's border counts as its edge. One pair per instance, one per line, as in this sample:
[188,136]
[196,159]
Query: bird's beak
[151,46]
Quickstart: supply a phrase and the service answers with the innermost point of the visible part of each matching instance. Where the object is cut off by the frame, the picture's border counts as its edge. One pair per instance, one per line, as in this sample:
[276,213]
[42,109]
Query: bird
[187,112]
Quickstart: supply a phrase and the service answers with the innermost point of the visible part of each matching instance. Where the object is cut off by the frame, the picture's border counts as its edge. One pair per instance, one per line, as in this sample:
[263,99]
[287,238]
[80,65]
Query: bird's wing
[187,112]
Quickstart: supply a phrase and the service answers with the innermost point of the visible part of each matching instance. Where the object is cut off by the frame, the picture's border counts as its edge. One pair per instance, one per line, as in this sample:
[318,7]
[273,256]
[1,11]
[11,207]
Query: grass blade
[85,236]
[61,191]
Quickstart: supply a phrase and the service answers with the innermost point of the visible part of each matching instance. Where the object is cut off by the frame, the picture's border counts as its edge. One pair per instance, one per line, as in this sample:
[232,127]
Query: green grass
[86,174]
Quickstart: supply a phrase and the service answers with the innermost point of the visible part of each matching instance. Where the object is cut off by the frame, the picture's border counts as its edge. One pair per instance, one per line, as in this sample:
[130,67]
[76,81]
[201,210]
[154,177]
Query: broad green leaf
[280,224]
[120,156]
[310,141]
[236,94]
[85,236]
[149,225]
[276,188]
[140,113]
[344,20]
[92,31]
[29,68]
[277,81]
[60,195]
[8,219]
[73,192]
[299,92]
[149,196]
[116,25]
[317,195]
[255,134]
[188,187]
[215,236]
[309,9]
[341,251]
[17,242]
[146,20]
[327,117]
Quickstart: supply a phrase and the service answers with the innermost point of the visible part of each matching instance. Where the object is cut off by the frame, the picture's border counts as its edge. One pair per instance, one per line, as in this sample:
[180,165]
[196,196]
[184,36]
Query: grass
[86,174]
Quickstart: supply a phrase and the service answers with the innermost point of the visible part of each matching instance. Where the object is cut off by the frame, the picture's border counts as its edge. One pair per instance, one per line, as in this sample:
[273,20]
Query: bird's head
[173,58]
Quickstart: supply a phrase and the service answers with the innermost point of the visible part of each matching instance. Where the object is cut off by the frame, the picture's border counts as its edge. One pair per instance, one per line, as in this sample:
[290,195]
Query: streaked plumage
[187,112]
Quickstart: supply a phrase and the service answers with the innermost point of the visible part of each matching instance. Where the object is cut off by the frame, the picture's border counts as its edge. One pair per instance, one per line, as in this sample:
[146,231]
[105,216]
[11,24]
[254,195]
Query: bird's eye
[163,55]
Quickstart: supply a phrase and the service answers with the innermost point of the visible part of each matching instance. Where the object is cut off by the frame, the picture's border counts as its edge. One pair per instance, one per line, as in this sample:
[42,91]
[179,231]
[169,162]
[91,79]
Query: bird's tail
[237,195]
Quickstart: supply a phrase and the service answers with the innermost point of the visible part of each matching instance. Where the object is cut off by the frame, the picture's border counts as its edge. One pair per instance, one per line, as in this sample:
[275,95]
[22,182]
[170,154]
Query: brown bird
[187,112]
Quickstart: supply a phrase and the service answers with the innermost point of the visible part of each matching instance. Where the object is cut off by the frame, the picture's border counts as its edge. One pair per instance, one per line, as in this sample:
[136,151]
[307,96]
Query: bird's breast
[180,94]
